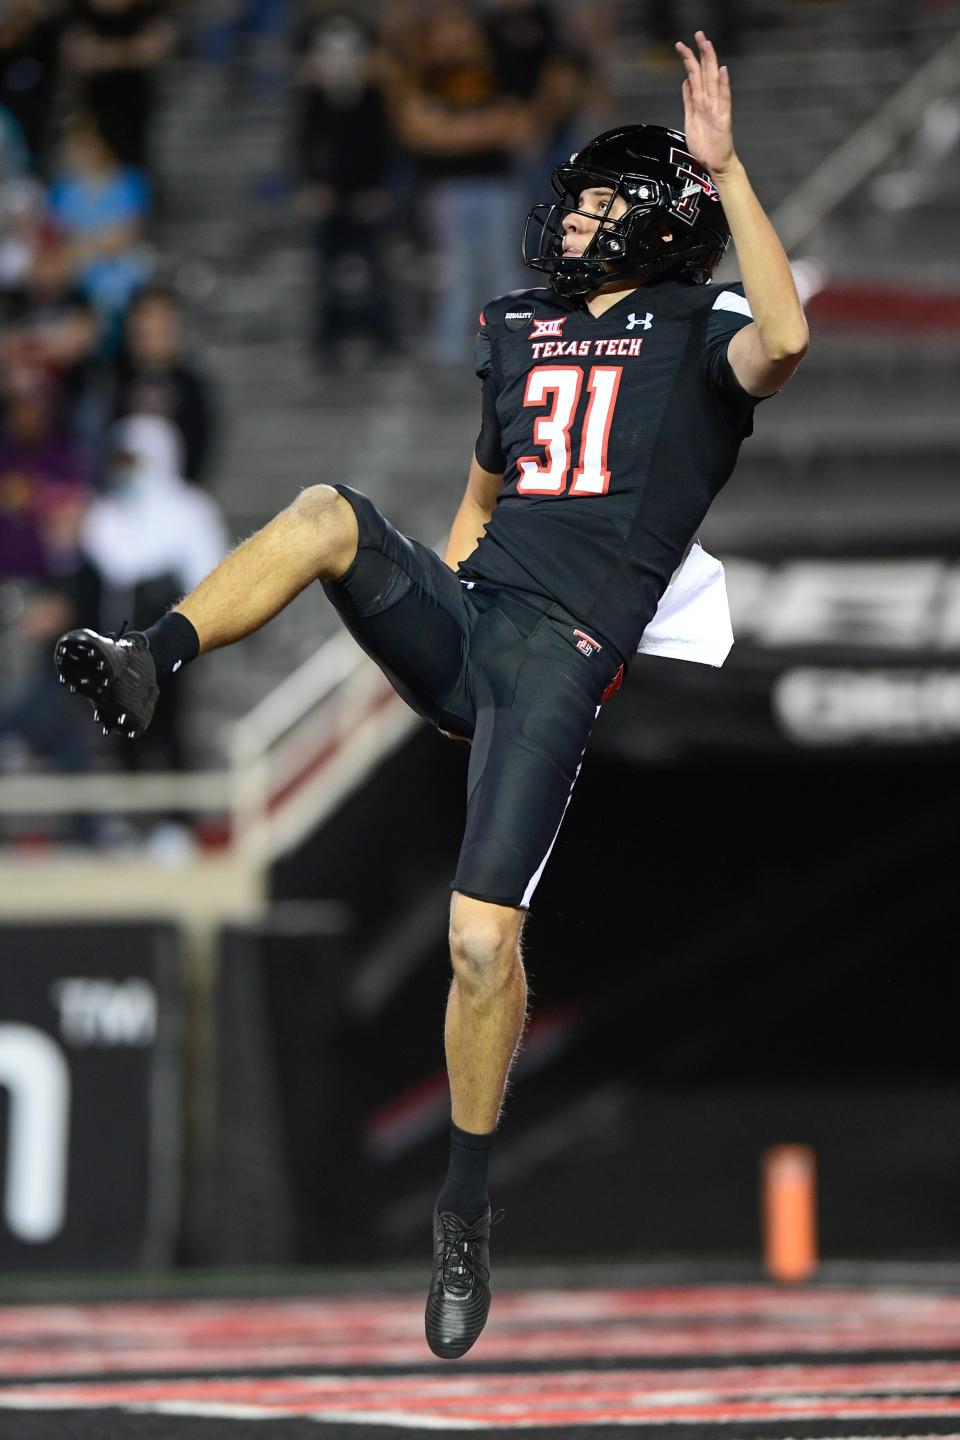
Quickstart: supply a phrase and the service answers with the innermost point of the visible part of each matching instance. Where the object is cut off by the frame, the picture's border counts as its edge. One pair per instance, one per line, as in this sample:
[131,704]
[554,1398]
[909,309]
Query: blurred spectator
[20,203]
[400,28]
[524,38]
[100,206]
[14,159]
[465,133]
[43,480]
[249,41]
[52,326]
[29,62]
[343,152]
[114,48]
[152,375]
[149,538]
[537,63]
[43,493]
[22,207]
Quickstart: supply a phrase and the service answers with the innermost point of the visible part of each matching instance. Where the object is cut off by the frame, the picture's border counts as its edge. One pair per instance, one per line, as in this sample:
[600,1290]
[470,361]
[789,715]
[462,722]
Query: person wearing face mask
[342,153]
[465,133]
[147,537]
[154,375]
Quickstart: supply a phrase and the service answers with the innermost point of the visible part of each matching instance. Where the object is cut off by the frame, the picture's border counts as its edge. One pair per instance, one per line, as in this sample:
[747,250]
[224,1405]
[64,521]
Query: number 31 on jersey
[560,386]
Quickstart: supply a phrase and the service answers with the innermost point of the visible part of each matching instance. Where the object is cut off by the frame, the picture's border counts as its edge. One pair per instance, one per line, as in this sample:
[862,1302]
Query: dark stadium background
[746,934]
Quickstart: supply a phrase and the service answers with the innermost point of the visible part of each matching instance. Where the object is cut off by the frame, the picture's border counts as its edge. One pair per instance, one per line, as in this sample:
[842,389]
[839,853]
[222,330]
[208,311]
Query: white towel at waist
[693,618]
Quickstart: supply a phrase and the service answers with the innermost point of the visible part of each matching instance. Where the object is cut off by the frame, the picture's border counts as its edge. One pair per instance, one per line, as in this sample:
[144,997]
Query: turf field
[558,1359]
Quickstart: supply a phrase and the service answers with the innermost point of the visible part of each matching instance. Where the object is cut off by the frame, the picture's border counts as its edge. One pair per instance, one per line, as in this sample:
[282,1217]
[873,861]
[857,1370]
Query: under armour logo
[644,321]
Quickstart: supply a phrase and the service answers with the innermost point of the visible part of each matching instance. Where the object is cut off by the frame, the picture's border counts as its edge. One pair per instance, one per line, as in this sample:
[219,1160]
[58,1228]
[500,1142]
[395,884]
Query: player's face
[579,230]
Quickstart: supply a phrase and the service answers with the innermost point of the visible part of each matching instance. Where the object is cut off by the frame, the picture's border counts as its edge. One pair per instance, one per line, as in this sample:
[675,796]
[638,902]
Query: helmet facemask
[629,244]
[661,197]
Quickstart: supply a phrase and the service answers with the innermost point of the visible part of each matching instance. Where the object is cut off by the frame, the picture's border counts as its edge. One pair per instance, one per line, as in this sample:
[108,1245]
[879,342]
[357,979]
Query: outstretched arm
[765,354]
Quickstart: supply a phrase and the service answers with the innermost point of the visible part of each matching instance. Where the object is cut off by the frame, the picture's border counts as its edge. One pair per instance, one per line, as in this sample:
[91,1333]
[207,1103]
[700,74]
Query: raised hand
[707,106]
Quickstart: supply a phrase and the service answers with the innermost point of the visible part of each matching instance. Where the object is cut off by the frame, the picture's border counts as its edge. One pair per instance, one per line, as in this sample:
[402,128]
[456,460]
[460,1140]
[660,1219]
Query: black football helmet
[665,189]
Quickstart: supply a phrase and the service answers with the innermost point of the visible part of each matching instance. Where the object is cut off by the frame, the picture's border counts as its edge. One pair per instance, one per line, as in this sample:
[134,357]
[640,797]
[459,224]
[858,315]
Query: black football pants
[508,671]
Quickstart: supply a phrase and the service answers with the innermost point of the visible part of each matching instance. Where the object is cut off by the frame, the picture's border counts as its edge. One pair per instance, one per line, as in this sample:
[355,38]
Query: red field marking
[926,1377]
[506,1401]
[235,1317]
[331,1333]
[537,1325]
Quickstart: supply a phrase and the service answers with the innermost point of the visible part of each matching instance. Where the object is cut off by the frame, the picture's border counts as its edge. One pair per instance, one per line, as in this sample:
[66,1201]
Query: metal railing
[298,752]
[870,146]
[290,760]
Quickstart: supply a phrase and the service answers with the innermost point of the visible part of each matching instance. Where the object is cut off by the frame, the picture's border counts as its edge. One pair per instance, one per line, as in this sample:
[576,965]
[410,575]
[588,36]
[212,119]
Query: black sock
[173,642]
[465,1188]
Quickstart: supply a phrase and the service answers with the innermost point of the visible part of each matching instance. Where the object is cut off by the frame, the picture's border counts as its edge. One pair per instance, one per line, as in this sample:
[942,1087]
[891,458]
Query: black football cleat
[459,1299]
[118,677]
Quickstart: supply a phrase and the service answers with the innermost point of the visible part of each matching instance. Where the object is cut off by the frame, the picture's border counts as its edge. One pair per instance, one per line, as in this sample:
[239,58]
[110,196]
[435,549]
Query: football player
[615,400]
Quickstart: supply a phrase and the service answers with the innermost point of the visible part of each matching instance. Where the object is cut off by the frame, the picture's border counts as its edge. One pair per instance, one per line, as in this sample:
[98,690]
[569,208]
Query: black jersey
[614,434]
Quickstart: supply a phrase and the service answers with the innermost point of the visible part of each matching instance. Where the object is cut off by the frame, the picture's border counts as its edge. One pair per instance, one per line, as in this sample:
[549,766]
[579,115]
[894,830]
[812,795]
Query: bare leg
[485,1015]
[315,538]
[486,1009]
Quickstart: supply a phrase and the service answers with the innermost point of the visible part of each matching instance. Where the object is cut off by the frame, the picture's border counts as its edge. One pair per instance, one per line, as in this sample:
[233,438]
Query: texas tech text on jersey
[612,444]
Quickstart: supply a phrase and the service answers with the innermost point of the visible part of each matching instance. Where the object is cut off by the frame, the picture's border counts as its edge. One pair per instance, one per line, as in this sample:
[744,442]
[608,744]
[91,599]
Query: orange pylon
[789,1213]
